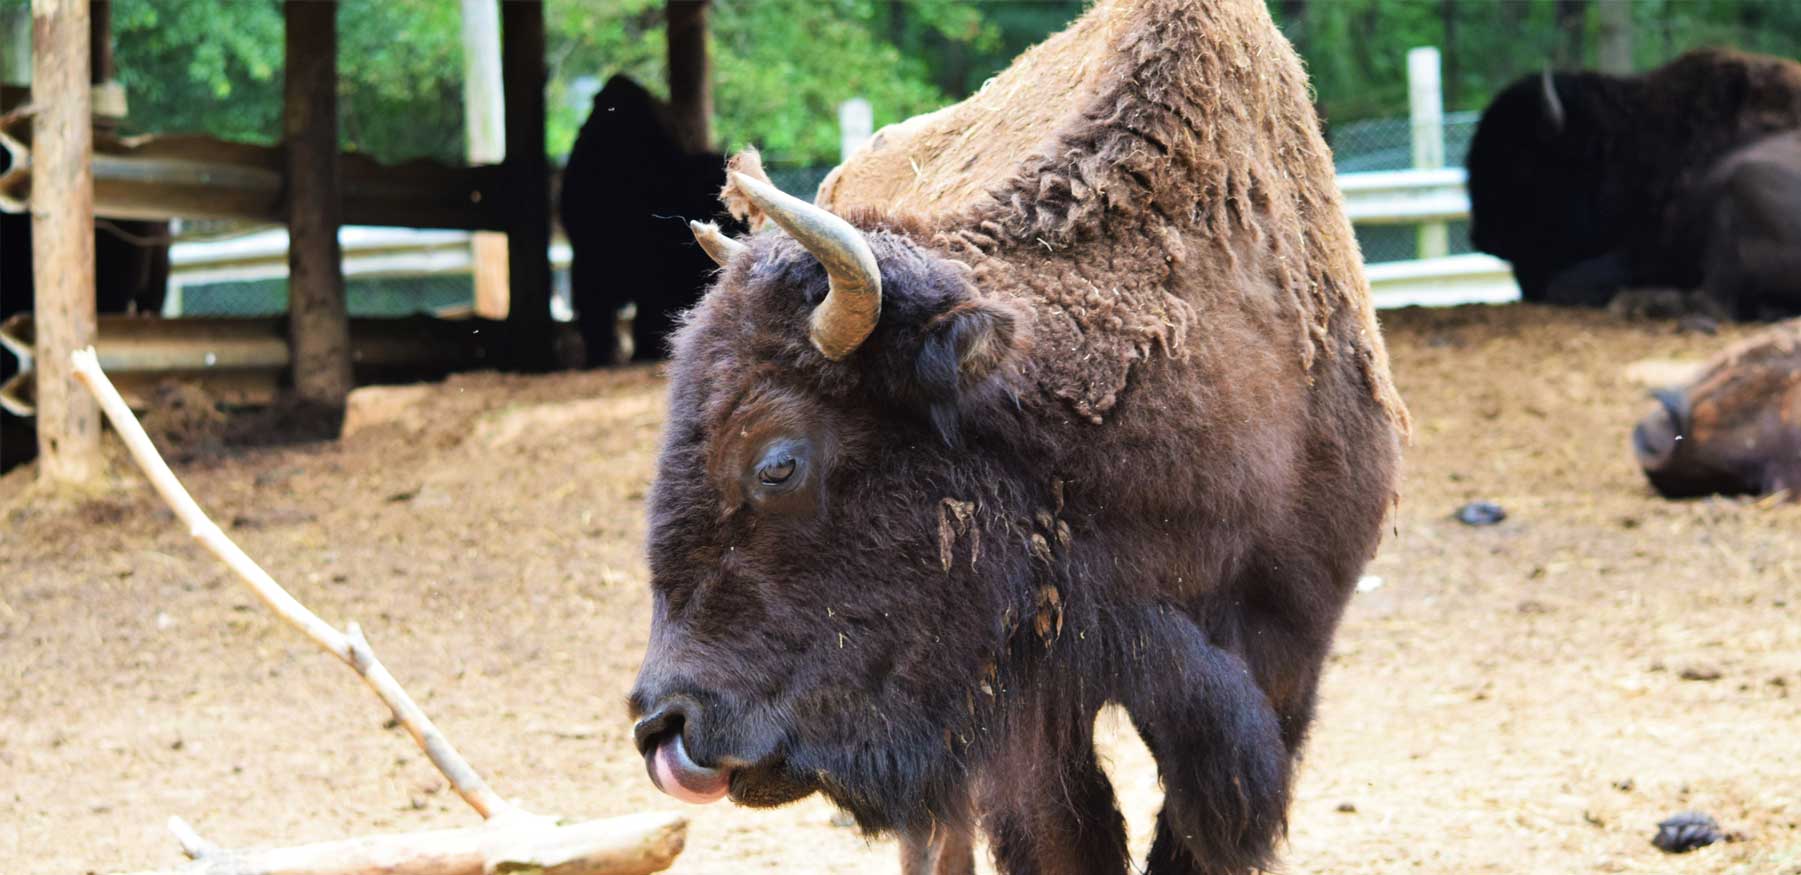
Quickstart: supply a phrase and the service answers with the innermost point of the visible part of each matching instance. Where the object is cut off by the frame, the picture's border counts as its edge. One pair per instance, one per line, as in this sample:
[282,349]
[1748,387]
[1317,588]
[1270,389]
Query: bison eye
[777,472]
[780,469]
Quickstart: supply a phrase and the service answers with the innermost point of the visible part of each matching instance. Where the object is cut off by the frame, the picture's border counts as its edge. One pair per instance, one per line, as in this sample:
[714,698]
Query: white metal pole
[1426,116]
[856,122]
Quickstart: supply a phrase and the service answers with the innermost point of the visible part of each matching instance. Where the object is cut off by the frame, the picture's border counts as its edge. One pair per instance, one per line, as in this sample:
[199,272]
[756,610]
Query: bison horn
[849,312]
[1553,106]
[718,247]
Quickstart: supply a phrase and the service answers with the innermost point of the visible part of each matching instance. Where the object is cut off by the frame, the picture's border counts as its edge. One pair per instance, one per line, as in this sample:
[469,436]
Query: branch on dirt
[602,846]
[636,844]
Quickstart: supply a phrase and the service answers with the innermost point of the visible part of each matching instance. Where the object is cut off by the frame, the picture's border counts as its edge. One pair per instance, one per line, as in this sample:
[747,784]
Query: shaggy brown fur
[1124,432]
[1736,429]
[1199,165]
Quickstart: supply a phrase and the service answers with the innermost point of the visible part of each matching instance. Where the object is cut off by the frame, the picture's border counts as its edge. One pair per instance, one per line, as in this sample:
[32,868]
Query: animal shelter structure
[67,167]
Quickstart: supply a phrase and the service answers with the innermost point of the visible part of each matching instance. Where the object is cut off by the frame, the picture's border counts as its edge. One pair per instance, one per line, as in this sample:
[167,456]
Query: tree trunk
[1572,33]
[690,75]
[528,183]
[1447,16]
[1613,40]
[62,237]
[318,324]
[1294,24]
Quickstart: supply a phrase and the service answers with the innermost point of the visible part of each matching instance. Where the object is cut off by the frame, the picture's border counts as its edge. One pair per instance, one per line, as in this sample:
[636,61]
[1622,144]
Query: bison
[1734,430]
[1114,426]
[1587,183]
[626,188]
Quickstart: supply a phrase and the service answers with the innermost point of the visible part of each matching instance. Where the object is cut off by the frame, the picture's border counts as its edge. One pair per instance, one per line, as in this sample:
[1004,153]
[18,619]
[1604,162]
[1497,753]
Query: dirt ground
[1510,699]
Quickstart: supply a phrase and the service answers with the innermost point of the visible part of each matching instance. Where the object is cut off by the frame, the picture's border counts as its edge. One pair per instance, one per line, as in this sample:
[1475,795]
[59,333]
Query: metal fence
[1401,178]
[395,271]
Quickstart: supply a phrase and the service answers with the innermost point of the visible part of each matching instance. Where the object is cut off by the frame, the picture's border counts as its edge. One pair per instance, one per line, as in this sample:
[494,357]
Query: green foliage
[1357,49]
[780,67]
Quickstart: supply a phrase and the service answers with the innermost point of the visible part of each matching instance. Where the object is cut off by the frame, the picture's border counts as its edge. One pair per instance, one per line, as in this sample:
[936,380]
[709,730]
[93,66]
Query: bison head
[841,432]
[1537,183]
[1735,431]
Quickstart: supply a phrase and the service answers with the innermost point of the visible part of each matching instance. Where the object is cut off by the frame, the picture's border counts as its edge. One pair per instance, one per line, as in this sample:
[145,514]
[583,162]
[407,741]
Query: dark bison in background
[1118,428]
[627,189]
[1589,183]
[1734,430]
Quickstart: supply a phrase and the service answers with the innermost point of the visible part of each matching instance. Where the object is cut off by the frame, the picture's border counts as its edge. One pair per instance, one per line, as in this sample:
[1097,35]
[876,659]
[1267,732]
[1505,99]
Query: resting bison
[1743,219]
[1581,179]
[626,189]
[934,489]
[1736,429]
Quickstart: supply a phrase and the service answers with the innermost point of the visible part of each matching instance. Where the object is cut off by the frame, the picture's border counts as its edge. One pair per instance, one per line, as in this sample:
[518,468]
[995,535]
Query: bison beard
[935,489]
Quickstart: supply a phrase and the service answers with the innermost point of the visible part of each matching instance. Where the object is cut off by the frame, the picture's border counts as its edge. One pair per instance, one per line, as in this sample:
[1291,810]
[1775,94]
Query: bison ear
[963,349]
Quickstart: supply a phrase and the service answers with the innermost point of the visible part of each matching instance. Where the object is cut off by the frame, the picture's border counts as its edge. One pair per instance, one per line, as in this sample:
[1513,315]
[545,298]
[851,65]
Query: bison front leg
[943,850]
[1219,750]
[1052,812]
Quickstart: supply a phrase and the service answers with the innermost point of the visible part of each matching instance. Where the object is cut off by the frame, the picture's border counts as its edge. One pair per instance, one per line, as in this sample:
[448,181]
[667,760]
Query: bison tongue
[675,773]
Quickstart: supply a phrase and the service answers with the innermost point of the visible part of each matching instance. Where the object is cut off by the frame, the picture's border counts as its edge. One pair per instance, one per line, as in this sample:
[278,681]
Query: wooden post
[318,325]
[485,126]
[528,182]
[1426,114]
[62,237]
[690,76]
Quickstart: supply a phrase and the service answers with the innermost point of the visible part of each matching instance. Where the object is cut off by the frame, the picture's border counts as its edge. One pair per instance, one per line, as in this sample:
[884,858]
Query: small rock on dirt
[1347,808]
[1701,672]
[1481,513]
[1686,832]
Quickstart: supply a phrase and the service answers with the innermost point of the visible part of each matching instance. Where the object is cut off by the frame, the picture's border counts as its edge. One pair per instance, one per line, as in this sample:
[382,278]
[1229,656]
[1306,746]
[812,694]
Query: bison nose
[672,769]
[666,718]
[1659,435]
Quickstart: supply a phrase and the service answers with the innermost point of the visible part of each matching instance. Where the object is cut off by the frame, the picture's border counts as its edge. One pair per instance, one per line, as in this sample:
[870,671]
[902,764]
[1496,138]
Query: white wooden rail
[1401,197]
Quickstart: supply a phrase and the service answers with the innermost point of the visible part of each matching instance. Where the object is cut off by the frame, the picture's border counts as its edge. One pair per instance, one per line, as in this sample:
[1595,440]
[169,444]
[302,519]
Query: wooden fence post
[1426,116]
[62,237]
[318,322]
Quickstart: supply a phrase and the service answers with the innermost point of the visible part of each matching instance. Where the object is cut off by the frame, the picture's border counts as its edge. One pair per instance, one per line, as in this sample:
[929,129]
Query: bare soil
[1529,697]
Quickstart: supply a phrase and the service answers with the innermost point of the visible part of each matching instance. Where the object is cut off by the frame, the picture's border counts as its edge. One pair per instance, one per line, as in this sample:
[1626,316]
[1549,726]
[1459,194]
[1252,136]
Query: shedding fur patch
[750,163]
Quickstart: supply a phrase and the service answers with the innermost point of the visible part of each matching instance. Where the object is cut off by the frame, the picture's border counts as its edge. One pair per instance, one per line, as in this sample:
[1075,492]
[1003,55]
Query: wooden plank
[690,74]
[62,238]
[318,325]
[528,186]
[484,123]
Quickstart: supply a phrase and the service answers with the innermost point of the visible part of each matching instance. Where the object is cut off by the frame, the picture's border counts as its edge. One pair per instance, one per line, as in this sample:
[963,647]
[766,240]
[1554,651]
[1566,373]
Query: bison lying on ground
[1585,182]
[1743,219]
[626,190]
[1735,430]
[934,489]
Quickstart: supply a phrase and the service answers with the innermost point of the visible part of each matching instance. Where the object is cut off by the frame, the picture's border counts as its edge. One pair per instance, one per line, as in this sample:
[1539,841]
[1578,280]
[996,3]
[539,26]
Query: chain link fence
[1387,144]
[1358,147]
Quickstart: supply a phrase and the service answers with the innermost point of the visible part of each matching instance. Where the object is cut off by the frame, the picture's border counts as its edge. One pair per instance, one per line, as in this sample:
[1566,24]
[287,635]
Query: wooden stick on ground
[656,837]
